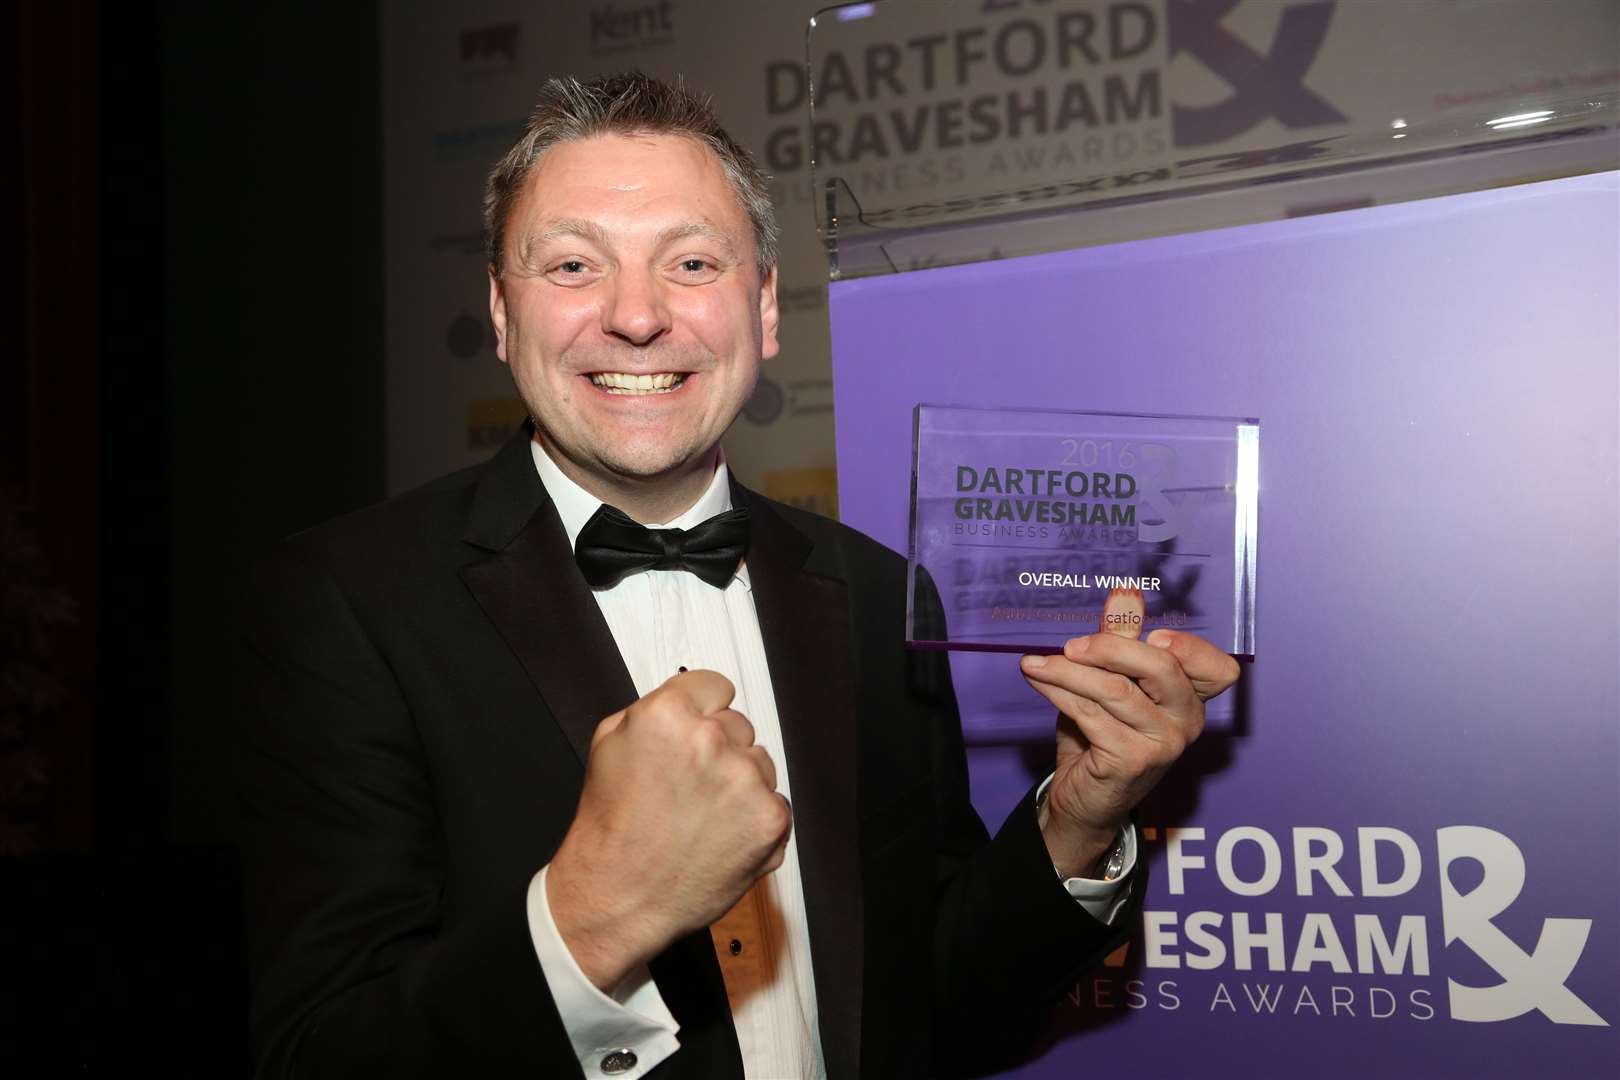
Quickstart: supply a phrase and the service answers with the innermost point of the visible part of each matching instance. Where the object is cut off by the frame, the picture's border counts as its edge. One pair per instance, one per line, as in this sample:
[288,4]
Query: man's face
[632,310]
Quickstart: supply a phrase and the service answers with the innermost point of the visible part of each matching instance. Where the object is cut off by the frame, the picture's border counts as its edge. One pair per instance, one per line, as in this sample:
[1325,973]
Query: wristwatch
[1114,865]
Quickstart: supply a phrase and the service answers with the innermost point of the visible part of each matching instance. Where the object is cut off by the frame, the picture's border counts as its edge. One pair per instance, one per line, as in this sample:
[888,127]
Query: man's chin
[630,462]
[663,467]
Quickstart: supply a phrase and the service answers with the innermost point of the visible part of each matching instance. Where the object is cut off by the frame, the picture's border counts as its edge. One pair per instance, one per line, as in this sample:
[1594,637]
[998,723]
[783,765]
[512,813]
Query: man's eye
[694,266]
[572,266]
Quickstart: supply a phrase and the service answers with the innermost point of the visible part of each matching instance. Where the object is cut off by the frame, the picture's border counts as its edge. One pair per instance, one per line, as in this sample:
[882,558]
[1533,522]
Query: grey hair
[631,103]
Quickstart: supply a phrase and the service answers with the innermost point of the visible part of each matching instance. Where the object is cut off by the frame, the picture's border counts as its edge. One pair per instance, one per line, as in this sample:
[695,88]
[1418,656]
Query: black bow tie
[612,545]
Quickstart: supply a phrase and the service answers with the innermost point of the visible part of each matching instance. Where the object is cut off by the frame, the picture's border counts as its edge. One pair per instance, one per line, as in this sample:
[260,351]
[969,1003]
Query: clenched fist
[678,818]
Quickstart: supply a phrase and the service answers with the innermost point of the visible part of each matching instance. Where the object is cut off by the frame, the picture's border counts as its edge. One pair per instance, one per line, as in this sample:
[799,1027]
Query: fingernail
[1034,663]
[1162,639]
[1075,646]
[1123,613]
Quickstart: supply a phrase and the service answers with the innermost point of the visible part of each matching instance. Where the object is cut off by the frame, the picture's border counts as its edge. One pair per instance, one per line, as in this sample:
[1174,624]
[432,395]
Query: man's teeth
[615,383]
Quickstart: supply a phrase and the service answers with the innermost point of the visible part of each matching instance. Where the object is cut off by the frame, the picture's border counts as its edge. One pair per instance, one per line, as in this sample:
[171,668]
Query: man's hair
[627,104]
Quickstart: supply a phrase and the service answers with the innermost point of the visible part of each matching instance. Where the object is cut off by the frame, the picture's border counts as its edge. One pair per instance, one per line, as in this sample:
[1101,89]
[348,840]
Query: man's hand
[1126,710]
[678,818]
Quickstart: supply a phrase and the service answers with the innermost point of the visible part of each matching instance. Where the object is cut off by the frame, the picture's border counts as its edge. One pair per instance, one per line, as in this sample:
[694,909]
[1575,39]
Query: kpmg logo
[617,27]
[488,50]
[1532,980]
[1264,85]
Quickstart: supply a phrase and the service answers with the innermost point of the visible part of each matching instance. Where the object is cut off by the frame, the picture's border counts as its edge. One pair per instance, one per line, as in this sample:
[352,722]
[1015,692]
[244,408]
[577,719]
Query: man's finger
[708,691]
[1123,613]
[762,761]
[1117,695]
[1156,671]
[739,732]
[607,727]
[778,854]
[1210,670]
[1104,732]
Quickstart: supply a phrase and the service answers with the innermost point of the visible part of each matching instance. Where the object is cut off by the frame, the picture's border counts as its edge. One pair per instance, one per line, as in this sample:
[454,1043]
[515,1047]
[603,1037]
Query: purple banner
[1397,853]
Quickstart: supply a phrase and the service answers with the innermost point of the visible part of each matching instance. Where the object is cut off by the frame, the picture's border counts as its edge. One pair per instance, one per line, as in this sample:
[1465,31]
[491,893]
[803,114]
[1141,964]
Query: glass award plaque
[1030,527]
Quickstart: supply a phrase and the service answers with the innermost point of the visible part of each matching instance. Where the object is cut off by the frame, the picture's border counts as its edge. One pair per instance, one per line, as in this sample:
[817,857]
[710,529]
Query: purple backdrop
[1438,636]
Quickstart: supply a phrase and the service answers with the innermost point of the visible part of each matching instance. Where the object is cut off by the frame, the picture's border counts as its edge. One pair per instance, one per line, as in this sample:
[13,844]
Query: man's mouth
[620,383]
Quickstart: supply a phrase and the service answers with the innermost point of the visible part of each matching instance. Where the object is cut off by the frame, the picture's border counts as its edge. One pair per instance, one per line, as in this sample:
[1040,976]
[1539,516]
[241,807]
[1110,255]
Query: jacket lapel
[534,595]
[531,590]
[804,621]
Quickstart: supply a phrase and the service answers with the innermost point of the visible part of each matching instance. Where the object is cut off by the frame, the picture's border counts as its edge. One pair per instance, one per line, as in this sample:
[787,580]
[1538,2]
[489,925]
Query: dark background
[192,368]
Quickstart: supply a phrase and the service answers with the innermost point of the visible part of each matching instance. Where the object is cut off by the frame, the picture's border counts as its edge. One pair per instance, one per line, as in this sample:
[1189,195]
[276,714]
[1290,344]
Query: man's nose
[635,310]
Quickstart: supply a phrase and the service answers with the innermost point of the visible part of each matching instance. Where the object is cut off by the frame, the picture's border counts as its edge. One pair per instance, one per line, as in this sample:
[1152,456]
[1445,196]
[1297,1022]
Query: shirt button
[735,947]
[618,1061]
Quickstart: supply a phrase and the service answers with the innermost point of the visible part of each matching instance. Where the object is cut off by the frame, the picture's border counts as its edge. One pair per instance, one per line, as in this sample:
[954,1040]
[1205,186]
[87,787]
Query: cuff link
[615,1062]
[1115,866]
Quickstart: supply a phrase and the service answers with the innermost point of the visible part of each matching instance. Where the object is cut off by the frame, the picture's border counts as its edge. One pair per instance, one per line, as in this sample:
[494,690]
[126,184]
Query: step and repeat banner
[932,97]
[1394,853]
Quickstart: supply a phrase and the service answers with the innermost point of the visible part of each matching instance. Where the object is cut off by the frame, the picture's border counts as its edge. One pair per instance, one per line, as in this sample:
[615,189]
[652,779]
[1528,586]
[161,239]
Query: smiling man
[591,762]
[634,308]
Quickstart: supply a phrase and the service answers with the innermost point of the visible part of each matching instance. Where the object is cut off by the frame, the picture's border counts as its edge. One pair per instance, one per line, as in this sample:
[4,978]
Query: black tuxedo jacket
[419,684]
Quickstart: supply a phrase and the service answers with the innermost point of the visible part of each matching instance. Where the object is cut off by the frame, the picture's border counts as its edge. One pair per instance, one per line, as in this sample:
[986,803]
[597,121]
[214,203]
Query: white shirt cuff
[1102,900]
[634,1021]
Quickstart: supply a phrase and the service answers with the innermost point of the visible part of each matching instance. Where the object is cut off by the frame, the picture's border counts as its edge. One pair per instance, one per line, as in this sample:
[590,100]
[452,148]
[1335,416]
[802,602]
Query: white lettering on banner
[1411,937]
[1269,875]
[1380,849]
[1178,858]
[1533,980]
[1198,927]
[1245,941]
[1319,943]
[1411,864]
[1385,944]
[1137,993]
[1268,998]
[1306,863]
[1157,937]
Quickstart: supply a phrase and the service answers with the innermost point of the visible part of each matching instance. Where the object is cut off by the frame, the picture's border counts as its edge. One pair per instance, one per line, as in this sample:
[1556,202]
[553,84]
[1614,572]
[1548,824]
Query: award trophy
[1030,527]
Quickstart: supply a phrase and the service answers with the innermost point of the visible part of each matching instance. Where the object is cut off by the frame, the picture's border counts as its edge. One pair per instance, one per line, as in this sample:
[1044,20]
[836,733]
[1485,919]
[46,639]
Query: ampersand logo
[1263,85]
[1530,980]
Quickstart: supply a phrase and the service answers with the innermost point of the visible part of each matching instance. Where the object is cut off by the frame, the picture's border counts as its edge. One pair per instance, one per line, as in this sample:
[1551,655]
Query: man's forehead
[599,185]
[546,230]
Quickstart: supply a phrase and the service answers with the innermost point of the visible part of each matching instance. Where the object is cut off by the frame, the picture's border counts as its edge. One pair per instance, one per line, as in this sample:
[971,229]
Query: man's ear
[497,312]
[770,316]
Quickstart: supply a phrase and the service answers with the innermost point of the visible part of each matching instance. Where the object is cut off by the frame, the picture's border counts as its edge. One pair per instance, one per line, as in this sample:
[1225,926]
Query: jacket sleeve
[359,968]
[1009,940]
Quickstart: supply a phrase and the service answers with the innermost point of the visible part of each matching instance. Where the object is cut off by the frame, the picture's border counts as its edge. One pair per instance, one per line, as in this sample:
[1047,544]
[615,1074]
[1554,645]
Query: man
[521,801]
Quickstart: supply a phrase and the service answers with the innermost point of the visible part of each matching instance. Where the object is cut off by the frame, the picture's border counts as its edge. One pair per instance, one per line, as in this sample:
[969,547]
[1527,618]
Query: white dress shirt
[662,621]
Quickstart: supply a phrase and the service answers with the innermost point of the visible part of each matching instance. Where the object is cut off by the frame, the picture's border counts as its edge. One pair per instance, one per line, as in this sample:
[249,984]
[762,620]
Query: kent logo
[1264,85]
[616,26]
